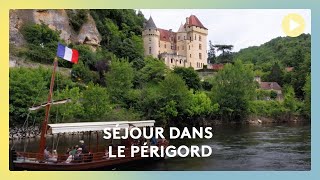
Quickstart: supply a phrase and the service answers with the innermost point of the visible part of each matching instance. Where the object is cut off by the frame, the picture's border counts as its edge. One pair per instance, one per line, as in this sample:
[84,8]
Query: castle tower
[151,39]
[196,42]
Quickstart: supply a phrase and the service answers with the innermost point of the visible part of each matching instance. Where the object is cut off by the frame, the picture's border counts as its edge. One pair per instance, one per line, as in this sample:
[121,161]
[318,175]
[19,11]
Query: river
[235,147]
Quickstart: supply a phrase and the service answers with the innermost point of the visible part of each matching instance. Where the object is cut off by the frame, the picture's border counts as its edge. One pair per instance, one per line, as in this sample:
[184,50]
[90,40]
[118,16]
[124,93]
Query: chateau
[185,48]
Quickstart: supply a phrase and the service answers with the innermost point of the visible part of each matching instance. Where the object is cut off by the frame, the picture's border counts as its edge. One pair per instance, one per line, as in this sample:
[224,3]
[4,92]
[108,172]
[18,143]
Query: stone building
[185,48]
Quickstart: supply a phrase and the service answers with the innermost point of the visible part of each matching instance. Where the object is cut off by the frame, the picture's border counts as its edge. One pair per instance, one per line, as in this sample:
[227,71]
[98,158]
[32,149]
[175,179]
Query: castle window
[200,56]
[149,50]
[189,47]
[184,37]
[195,37]
[149,38]
[149,29]
[172,47]
[199,38]
[200,46]
[180,61]
[190,38]
[171,60]
[178,37]
[190,55]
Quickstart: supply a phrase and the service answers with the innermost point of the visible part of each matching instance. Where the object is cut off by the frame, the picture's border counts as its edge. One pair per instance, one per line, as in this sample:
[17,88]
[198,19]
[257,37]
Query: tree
[224,48]
[26,88]
[71,111]
[290,102]
[174,99]
[95,102]
[307,96]
[211,53]
[190,76]
[276,74]
[153,72]
[233,88]
[226,56]
[119,80]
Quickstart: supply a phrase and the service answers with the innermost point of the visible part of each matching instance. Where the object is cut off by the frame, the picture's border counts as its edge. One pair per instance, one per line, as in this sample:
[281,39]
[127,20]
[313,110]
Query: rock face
[56,20]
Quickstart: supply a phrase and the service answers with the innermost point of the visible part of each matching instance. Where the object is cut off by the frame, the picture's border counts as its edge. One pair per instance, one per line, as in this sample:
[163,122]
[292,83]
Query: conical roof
[181,28]
[150,24]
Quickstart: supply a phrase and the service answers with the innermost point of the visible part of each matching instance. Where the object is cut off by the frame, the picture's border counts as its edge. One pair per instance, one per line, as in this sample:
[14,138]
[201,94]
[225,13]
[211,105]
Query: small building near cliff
[270,86]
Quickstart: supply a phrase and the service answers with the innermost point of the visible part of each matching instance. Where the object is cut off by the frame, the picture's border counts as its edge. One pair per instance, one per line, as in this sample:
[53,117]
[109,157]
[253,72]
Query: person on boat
[48,156]
[153,141]
[78,155]
[106,154]
[74,150]
[46,153]
[84,147]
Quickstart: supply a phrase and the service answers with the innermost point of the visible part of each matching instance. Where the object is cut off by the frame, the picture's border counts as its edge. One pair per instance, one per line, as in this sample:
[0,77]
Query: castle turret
[151,39]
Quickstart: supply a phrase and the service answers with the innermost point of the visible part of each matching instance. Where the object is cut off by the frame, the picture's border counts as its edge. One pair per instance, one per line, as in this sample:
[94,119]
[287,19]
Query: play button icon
[293,25]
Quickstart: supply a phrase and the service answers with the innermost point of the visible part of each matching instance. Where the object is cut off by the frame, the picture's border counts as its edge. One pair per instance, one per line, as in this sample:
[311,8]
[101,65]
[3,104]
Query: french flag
[68,54]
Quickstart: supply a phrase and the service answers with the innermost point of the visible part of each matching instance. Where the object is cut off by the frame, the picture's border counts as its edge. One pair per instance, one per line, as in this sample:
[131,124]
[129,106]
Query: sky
[239,27]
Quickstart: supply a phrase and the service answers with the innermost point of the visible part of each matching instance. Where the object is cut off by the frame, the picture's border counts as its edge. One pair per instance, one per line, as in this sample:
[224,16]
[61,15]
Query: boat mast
[48,106]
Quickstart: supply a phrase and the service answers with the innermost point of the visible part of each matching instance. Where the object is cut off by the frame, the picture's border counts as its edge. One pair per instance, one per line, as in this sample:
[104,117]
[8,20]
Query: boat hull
[106,164]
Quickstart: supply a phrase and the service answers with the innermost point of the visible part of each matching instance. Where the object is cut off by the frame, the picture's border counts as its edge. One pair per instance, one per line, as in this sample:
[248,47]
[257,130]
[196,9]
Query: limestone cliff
[57,20]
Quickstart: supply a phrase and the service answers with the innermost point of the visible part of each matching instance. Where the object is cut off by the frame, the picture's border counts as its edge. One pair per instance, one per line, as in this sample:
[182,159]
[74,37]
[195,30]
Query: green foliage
[233,89]
[42,42]
[39,33]
[121,31]
[211,53]
[26,88]
[95,102]
[271,109]
[77,18]
[273,94]
[276,74]
[266,94]
[29,87]
[190,76]
[272,57]
[307,97]
[71,111]
[81,73]
[153,71]
[121,114]
[174,97]
[201,105]
[119,80]
[290,102]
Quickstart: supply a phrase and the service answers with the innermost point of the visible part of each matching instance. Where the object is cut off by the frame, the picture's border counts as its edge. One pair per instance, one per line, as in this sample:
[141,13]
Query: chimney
[187,20]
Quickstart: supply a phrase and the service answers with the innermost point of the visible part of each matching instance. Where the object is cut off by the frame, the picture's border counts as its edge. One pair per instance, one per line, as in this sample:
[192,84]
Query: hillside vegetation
[116,82]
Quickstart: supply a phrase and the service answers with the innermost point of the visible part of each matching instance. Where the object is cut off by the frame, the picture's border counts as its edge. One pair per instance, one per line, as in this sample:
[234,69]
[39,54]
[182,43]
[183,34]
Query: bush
[77,18]
[42,42]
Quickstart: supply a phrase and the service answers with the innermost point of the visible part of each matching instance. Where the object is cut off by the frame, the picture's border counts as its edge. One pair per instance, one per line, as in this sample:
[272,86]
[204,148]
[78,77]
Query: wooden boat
[89,161]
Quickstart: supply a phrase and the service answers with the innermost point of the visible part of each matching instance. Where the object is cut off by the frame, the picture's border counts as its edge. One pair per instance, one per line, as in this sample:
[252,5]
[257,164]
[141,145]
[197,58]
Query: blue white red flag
[68,54]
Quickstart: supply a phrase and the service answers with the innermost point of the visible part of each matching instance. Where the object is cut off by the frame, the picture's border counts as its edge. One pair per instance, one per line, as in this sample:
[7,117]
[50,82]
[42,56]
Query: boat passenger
[84,147]
[78,155]
[46,153]
[153,141]
[74,150]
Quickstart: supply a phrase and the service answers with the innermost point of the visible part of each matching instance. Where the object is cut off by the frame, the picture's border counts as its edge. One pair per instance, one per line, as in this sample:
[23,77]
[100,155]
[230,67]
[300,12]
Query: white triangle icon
[293,25]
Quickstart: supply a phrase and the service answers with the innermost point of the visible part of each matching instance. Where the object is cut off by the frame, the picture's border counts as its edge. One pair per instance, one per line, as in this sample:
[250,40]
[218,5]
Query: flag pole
[48,106]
